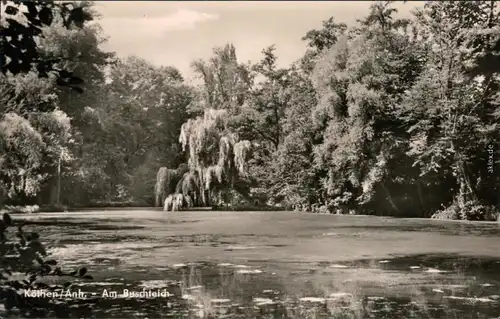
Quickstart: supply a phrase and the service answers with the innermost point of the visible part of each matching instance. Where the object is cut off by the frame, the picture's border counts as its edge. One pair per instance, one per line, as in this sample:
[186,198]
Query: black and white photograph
[250,159]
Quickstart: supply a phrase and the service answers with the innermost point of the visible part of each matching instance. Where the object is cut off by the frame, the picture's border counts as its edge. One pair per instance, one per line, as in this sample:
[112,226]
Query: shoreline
[245,209]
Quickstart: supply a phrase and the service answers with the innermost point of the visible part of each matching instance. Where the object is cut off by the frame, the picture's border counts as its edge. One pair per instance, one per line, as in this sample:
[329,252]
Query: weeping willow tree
[217,158]
[166,182]
[175,202]
[190,188]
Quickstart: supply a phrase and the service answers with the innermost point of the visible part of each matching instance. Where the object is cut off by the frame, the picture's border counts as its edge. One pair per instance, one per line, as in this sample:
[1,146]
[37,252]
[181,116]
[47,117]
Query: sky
[177,32]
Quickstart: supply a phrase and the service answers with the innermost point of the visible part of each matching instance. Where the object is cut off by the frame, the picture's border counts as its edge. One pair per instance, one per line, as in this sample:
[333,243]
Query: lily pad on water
[312,299]
[435,271]
[263,301]
[470,299]
[249,271]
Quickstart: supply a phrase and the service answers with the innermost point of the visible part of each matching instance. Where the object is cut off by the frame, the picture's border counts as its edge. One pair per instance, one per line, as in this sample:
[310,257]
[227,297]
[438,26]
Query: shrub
[474,210]
[22,209]
[471,210]
[451,212]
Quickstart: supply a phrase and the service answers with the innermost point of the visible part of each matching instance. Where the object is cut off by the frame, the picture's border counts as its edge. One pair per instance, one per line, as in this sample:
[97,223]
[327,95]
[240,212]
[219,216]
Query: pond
[277,264]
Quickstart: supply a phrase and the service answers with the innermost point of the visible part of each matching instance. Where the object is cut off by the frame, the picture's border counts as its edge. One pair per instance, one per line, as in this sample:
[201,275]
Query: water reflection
[405,287]
[250,275]
[449,228]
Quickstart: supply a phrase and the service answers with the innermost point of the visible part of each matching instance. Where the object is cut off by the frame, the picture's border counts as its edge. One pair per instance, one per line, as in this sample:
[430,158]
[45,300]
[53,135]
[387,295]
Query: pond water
[277,264]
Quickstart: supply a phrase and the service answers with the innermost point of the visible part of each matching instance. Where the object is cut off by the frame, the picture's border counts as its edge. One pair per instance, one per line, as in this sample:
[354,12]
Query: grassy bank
[491,215]
[242,208]
[30,209]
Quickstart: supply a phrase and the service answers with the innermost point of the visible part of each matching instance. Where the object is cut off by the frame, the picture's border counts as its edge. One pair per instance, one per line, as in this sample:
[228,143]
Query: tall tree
[452,116]
[278,101]
[360,81]
[293,179]
[217,158]
[29,100]
[216,155]
[120,159]
[79,51]
[319,40]
[225,80]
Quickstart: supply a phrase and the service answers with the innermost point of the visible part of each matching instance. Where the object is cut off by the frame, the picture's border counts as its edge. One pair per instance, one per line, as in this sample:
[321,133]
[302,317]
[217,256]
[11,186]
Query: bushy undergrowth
[247,207]
[471,210]
[22,209]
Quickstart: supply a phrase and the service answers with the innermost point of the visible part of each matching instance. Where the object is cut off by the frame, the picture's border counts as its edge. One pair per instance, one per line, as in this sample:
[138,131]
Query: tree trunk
[389,197]
[52,184]
[203,197]
[466,191]
[157,196]
[468,184]
[209,197]
[420,197]
[58,194]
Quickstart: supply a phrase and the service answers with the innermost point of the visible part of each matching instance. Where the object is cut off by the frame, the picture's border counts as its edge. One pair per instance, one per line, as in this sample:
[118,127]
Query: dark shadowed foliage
[26,267]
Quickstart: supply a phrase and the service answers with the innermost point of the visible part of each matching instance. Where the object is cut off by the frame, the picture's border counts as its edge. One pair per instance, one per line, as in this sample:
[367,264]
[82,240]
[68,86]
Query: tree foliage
[25,266]
[368,119]
[389,116]
[398,110]
[225,80]
[167,180]
[23,23]
[217,158]
[34,135]
[30,105]
[451,117]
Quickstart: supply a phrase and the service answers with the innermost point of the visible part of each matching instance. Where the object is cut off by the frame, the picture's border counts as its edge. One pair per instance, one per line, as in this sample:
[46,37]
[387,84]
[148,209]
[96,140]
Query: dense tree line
[389,117]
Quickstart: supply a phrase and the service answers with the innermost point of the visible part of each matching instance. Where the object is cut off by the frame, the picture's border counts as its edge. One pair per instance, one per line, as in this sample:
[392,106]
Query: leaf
[7,219]
[38,247]
[39,260]
[9,302]
[51,262]
[46,16]
[46,269]
[16,284]
[15,25]
[82,271]
[42,285]
[20,227]
[32,10]
[11,10]
[77,16]
[34,236]
[12,67]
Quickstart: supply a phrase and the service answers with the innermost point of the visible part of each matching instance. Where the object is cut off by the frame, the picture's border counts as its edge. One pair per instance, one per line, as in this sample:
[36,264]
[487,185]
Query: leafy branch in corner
[24,268]
[25,21]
